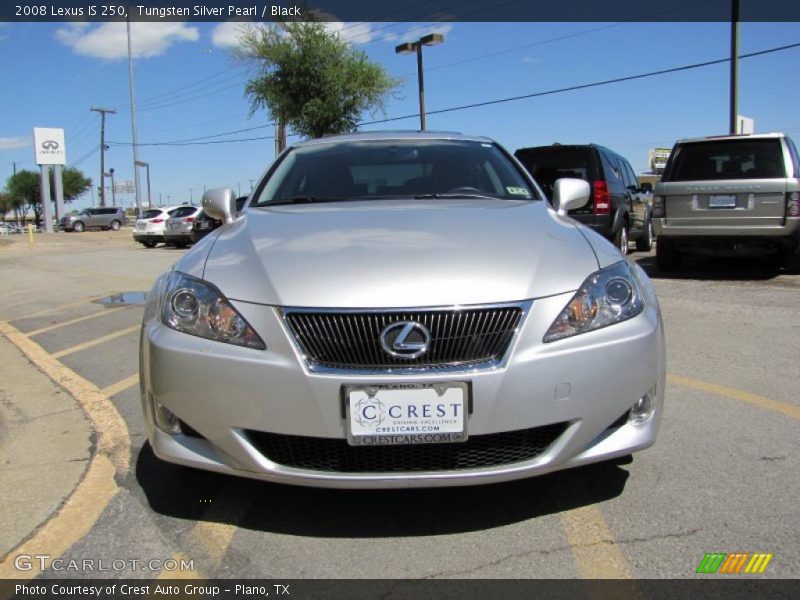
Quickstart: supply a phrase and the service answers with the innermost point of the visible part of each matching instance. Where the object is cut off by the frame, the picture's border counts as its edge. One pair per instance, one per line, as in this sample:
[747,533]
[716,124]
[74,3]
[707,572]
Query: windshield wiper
[305,200]
[458,196]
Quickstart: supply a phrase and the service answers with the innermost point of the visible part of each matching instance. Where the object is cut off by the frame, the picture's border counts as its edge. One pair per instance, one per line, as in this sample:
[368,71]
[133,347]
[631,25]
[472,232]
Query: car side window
[795,157]
[612,172]
[631,175]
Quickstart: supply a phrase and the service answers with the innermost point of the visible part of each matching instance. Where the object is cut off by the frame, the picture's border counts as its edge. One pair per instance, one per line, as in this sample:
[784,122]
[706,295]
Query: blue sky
[189,86]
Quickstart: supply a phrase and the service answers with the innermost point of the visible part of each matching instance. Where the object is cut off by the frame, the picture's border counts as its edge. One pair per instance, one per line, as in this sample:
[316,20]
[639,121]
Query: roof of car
[738,136]
[392,135]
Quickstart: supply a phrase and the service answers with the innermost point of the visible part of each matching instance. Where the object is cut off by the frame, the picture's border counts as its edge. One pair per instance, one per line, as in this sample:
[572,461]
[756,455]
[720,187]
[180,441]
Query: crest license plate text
[406,414]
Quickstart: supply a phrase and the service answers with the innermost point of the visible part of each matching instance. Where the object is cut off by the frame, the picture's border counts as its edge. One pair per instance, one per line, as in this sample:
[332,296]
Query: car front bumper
[586,383]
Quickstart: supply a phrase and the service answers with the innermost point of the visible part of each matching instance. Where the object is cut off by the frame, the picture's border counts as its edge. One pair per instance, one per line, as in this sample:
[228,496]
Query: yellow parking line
[76,320]
[88,500]
[44,311]
[789,410]
[211,537]
[72,521]
[95,342]
[120,386]
[593,546]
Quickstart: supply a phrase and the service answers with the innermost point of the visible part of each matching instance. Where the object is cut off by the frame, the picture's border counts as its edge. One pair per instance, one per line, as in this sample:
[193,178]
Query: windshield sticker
[518,191]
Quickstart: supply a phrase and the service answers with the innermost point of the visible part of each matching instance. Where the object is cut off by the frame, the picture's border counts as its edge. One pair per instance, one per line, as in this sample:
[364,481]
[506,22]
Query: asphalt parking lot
[723,476]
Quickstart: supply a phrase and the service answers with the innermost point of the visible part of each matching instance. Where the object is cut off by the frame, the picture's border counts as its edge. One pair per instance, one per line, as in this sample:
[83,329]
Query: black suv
[617,207]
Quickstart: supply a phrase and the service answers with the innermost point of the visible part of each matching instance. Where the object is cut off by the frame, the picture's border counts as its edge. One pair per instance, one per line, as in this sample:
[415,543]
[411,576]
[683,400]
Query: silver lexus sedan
[400,310]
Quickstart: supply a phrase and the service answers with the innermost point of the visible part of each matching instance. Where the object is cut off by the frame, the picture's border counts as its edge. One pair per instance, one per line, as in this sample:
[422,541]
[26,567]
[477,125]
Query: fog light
[166,419]
[643,409]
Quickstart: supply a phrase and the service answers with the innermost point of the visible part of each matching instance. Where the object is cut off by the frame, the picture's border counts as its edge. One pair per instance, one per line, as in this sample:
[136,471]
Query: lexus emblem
[405,339]
[50,145]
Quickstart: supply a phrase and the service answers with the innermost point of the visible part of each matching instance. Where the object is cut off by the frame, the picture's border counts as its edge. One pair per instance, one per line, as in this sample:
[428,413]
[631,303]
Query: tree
[310,79]
[25,192]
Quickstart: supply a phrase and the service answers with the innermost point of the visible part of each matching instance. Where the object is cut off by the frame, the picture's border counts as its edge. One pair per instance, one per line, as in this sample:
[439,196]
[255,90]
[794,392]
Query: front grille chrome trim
[309,341]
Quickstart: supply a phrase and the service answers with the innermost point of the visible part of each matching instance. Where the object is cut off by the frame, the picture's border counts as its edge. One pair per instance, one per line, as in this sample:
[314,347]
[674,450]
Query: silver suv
[102,218]
[729,196]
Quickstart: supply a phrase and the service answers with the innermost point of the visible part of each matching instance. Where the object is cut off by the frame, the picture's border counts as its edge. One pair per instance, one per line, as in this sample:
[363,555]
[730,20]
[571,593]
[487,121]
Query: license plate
[722,201]
[203,225]
[174,225]
[407,414]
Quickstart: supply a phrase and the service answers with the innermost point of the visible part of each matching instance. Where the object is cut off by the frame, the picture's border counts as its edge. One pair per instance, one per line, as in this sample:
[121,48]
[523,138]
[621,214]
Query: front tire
[149,244]
[621,240]
[115,225]
[791,261]
[77,227]
[645,241]
[667,257]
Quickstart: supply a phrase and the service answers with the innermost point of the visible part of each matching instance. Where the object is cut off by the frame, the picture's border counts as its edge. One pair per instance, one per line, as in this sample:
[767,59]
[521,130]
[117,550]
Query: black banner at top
[394,10]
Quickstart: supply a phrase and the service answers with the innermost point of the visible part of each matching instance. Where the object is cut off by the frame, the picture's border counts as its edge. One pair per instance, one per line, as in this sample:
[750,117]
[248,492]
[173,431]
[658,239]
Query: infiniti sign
[50,145]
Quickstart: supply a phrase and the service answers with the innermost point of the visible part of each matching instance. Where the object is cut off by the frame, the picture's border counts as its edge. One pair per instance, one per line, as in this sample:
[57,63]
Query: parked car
[95,218]
[617,208]
[178,227]
[203,224]
[10,228]
[729,196]
[400,310]
[149,228]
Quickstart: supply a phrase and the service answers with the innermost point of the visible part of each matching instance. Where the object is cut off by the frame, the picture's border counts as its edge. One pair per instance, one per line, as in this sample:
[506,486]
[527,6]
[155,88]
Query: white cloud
[228,34]
[109,40]
[417,31]
[531,60]
[355,33]
[13,143]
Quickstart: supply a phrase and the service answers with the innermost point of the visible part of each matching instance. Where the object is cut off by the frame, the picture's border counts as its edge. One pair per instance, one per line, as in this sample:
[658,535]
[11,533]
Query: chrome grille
[471,336]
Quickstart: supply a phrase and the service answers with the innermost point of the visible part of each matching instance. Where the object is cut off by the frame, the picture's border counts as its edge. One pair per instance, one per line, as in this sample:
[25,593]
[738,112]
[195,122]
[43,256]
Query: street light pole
[428,40]
[137,187]
[734,117]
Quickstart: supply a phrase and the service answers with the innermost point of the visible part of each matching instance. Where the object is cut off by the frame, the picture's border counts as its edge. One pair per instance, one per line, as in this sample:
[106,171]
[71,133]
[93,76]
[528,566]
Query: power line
[84,157]
[585,85]
[252,139]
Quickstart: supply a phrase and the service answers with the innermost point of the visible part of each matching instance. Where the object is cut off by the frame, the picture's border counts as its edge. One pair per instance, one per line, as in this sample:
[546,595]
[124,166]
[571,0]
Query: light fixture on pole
[431,39]
[113,190]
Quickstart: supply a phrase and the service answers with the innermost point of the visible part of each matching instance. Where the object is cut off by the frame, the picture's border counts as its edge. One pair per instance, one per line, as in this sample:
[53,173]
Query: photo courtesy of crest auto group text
[346,299]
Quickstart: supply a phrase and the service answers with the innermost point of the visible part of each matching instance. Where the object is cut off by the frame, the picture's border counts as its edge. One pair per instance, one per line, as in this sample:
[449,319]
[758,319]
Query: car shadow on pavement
[714,269]
[191,494]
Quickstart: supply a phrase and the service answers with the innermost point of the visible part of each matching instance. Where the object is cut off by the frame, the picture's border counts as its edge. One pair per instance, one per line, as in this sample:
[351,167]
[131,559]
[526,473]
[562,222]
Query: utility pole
[103,112]
[113,192]
[734,129]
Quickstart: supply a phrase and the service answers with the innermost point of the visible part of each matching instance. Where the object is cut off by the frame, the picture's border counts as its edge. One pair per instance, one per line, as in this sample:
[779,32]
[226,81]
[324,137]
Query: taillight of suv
[793,204]
[601,201]
[658,207]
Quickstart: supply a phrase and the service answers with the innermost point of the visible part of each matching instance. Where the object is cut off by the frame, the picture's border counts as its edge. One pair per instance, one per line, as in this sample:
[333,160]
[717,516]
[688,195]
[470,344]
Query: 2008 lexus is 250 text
[400,310]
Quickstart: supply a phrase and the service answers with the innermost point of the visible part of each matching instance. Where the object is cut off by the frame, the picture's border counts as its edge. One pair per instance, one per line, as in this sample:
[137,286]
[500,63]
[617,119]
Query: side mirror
[220,204]
[569,193]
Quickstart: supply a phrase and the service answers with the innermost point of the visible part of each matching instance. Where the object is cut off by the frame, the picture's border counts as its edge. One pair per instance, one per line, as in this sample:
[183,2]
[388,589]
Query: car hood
[395,254]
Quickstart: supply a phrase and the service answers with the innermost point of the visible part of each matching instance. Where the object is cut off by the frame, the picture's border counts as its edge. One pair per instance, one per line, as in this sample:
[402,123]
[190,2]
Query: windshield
[549,163]
[150,214]
[183,211]
[394,169]
[727,159]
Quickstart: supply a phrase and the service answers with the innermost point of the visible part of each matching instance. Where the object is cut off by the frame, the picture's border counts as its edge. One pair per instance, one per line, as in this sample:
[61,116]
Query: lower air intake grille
[336,455]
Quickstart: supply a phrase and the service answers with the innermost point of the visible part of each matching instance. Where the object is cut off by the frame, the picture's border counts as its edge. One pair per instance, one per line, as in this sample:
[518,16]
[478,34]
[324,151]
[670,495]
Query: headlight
[198,308]
[609,296]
